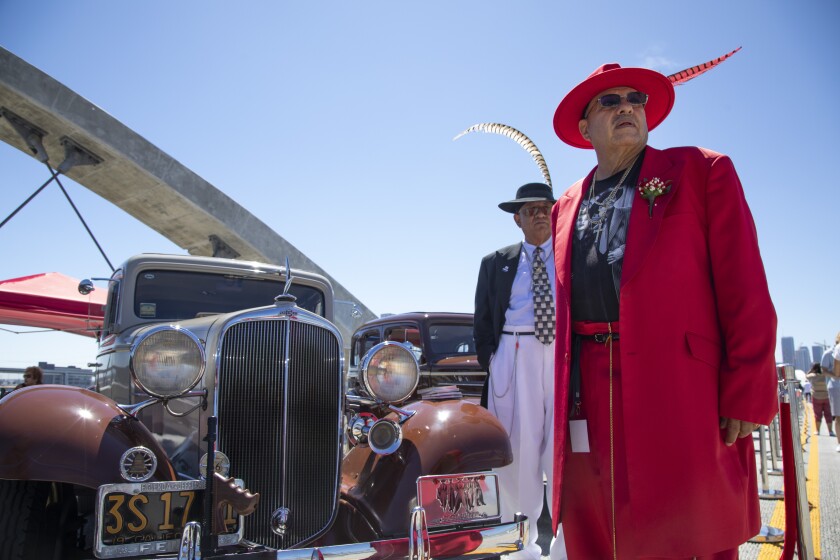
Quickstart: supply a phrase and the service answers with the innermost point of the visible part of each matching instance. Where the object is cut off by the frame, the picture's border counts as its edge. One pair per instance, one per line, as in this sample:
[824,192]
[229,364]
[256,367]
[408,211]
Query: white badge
[580,436]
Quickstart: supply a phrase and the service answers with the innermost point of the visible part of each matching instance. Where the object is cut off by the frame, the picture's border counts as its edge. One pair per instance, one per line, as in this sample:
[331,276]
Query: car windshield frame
[175,295]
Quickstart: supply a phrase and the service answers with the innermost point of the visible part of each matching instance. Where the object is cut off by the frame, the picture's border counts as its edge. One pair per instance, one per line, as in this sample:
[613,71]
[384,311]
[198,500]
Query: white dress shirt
[520,312]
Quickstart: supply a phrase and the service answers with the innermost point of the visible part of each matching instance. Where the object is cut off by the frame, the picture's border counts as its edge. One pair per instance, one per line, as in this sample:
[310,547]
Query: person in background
[830,365]
[514,338]
[665,336]
[33,375]
[819,399]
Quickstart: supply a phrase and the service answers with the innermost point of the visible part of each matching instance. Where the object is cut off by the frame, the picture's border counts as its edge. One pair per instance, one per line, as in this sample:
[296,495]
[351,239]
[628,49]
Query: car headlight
[390,372]
[167,361]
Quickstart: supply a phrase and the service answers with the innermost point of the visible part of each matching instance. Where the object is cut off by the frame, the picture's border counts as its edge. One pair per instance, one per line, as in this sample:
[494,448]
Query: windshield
[451,339]
[175,294]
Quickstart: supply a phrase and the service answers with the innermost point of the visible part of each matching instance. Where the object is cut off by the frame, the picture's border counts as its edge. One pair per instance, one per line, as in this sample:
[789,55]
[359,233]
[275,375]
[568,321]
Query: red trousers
[592,504]
[822,409]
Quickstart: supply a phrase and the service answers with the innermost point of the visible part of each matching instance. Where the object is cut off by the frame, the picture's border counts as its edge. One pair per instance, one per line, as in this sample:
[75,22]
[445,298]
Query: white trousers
[521,396]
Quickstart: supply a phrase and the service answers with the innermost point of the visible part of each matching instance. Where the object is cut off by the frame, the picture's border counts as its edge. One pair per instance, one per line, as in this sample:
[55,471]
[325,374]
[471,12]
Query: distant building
[57,375]
[817,352]
[803,358]
[788,351]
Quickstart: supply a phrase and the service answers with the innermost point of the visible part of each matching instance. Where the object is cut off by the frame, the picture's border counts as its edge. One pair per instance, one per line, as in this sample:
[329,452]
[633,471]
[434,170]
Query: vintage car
[207,361]
[442,343]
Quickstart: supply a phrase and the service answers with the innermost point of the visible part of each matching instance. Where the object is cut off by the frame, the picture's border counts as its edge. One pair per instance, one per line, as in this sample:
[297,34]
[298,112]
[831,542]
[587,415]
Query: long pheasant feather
[518,137]
[683,76]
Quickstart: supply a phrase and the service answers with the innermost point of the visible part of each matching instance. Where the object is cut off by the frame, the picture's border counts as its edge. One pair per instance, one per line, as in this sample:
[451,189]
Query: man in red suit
[665,336]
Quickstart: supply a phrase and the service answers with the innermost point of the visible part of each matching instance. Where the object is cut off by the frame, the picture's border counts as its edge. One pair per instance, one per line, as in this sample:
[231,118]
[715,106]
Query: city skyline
[803,354]
[782,355]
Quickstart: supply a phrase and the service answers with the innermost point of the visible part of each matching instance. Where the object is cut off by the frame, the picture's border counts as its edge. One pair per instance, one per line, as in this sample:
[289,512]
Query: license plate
[149,517]
[459,498]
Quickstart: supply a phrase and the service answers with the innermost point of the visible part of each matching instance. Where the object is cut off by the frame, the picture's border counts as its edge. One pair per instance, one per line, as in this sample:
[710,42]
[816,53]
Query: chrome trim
[280,521]
[288,283]
[221,464]
[284,511]
[134,409]
[201,404]
[360,400]
[278,313]
[498,540]
[450,373]
[403,413]
[359,426]
[289,312]
[86,285]
[168,327]
[130,457]
[363,369]
[418,536]
[161,547]
[190,548]
[439,513]
[396,431]
[523,530]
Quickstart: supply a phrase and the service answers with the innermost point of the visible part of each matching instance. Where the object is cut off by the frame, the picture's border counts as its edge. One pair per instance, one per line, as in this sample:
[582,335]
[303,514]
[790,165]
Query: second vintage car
[442,343]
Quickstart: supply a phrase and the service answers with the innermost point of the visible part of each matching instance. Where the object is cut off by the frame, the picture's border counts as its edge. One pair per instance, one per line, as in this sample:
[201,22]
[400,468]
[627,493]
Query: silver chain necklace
[608,202]
[601,216]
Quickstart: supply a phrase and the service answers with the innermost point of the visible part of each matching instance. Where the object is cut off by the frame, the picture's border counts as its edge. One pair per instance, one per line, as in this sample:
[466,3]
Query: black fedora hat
[532,192]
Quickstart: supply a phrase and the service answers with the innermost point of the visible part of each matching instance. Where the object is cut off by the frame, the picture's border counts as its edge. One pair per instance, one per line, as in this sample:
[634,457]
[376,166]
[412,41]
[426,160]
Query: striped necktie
[543,301]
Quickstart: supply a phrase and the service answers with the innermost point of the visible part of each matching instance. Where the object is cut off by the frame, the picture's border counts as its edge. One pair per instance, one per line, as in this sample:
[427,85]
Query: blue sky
[333,123]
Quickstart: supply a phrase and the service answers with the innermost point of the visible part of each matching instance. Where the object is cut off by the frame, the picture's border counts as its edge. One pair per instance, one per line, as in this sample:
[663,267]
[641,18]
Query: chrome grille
[283,441]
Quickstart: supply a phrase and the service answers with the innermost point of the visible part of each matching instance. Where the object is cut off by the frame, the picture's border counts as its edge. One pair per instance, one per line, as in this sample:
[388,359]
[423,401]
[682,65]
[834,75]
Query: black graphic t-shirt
[598,246]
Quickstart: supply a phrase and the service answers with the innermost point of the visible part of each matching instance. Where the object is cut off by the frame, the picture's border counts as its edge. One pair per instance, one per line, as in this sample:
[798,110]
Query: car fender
[445,437]
[66,434]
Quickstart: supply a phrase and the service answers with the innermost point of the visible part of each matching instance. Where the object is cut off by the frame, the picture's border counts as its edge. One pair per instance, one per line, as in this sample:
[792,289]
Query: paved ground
[822,471]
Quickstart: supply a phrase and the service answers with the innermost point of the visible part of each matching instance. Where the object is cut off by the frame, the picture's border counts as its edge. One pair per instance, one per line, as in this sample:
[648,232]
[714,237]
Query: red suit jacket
[698,335]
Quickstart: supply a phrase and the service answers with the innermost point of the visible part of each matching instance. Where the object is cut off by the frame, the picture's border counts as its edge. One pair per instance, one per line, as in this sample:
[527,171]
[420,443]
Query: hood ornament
[286,297]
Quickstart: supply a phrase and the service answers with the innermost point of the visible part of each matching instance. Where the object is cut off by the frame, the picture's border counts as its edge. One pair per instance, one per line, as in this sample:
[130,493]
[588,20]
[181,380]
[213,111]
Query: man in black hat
[514,338]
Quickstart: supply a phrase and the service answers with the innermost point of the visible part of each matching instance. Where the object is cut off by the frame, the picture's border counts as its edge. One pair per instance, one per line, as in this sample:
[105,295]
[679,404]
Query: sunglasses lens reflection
[636,98]
[614,100]
[535,210]
[609,100]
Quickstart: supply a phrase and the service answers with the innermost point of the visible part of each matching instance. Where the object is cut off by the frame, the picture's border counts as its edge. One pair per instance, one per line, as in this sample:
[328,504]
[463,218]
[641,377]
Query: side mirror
[86,286]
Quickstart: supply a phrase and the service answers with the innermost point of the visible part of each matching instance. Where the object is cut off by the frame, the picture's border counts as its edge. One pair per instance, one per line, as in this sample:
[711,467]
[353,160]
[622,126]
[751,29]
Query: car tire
[34,517]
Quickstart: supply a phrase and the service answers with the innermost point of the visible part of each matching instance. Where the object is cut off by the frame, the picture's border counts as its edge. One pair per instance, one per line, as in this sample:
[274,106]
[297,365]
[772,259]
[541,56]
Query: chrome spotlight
[385,437]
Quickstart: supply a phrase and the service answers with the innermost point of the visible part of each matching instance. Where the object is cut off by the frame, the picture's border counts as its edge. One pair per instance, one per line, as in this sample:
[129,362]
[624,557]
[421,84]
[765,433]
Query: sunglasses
[28,376]
[532,211]
[612,100]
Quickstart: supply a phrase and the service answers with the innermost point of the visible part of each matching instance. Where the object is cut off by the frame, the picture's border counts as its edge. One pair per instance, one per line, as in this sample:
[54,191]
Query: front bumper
[467,544]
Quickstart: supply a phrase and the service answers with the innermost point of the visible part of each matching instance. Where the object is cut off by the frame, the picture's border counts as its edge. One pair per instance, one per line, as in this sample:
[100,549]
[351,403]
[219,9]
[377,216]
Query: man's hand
[735,429]
[615,255]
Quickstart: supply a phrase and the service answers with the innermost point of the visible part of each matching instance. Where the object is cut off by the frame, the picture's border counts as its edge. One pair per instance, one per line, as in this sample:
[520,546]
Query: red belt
[599,332]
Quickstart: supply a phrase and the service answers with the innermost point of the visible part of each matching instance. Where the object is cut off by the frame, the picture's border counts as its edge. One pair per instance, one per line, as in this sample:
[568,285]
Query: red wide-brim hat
[659,88]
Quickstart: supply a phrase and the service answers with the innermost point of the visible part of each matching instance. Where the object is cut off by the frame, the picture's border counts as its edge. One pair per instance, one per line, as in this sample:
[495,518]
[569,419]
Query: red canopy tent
[51,300]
